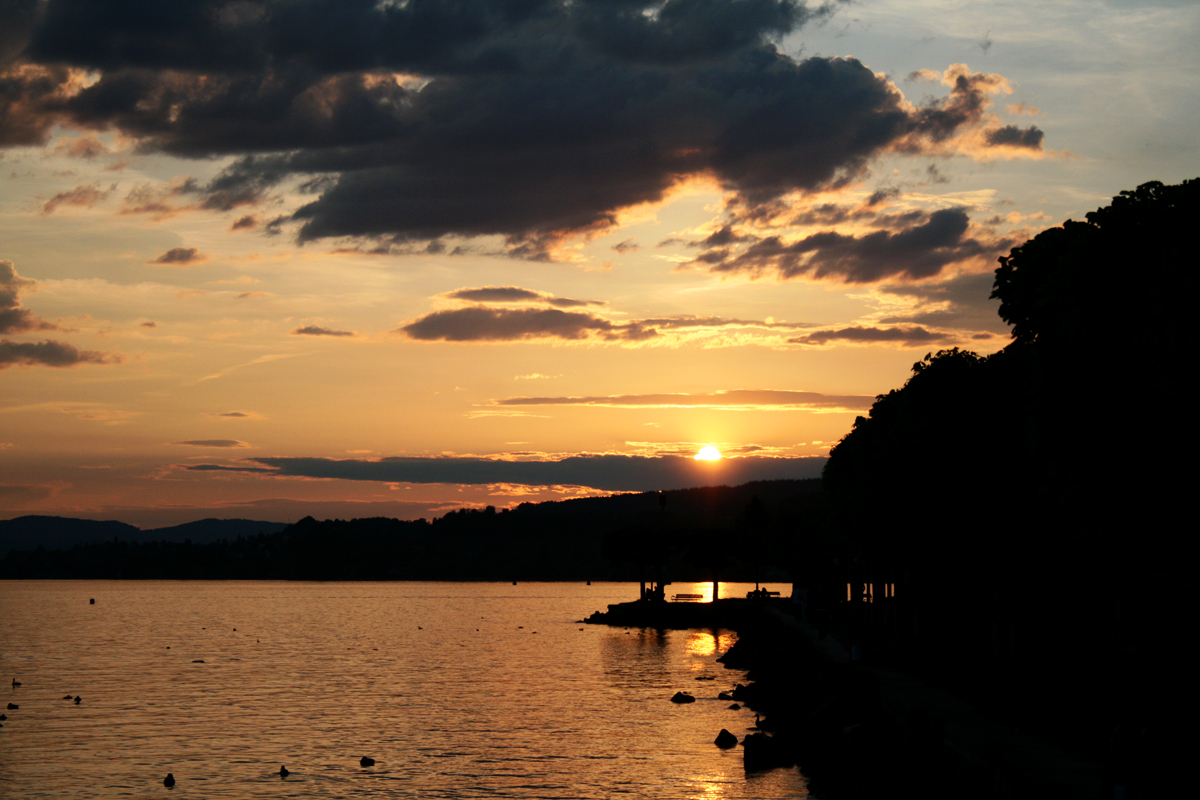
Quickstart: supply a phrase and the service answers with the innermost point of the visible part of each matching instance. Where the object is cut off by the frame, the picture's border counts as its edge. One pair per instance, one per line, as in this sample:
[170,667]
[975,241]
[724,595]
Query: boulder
[725,740]
[683,697]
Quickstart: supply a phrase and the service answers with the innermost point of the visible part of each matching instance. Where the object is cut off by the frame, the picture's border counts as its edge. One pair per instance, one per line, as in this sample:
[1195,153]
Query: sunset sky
[265,259]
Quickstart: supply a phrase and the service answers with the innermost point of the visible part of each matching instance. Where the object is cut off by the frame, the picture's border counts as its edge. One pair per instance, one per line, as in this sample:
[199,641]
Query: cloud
[222,468]
[920,250]
[213,443]
[247,222]
[14,318]
[1012,136]
[613,473]
[857,334]
[86,146]
[962,303]
[418,121]
[182,256]
[51,353]
[83,195]
[515,294]
[483,324]
[730,399]
[316,330]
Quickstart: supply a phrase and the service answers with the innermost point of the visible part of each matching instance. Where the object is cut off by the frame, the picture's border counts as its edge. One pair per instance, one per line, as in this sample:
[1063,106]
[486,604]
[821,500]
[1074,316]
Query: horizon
[252,270]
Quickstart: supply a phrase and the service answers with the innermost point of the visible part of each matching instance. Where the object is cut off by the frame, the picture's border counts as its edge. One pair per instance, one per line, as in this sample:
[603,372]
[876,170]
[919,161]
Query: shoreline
[858,729]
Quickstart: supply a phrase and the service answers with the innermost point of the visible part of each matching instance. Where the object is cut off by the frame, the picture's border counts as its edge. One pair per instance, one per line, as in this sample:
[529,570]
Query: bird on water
[16,683]
[283,772]
[169,781]
[366,762]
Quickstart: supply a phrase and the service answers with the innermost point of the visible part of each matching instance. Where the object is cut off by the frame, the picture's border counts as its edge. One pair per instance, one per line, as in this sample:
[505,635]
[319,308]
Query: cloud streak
[915,336]
[180,256]
[317,330]
[746,399]
[51,353]
[484,324]
[213,443]
[614,473]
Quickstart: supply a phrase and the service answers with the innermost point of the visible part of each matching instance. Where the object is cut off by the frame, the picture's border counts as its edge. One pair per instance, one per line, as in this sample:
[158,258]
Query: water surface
[456,689]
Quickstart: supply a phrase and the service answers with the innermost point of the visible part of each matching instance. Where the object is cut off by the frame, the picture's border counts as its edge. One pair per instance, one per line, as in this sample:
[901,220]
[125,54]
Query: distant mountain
[63,533]
[743,532]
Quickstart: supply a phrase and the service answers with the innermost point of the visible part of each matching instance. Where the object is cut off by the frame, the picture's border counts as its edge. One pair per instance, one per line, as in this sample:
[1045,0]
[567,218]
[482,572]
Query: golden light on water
[708,453]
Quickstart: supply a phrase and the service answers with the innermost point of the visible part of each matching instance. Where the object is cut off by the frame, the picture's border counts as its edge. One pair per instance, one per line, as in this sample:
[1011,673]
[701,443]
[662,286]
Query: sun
[708,453]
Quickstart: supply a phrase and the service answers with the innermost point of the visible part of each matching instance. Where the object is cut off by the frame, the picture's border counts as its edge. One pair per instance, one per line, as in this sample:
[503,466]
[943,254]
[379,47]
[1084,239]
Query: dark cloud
[626,246]
[181,256]
[213,443]
[51,353]
[921,250]
[940,119]
[235,414]
[244,223]
[741,398]
[963,302]
[220,468]
[879,195]
[317,330]
[13,318]
[31,98]
[482,324]
[149,324]
[613,473]
[909,337]
[416,121]
[1011,136]
[515,294]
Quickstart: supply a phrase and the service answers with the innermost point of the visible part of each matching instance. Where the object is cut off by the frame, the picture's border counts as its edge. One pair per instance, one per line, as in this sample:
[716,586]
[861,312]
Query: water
[458,690]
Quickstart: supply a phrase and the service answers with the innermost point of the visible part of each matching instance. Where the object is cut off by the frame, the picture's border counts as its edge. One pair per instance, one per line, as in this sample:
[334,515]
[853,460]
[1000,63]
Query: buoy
[169,781]
[366,762]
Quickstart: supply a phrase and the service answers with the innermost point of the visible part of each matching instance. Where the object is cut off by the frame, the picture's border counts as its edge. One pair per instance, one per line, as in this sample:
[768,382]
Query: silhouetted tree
[1039,491]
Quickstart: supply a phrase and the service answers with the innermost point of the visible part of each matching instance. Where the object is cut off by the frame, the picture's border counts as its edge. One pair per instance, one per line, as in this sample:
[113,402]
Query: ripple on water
[445,685]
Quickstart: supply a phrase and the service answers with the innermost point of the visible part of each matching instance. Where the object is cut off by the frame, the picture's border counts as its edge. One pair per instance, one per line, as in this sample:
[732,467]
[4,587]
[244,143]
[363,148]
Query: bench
[687,598]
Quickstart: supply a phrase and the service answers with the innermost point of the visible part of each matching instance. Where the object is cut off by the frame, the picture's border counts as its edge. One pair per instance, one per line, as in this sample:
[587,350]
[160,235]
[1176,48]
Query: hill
[741,531]
[63,533]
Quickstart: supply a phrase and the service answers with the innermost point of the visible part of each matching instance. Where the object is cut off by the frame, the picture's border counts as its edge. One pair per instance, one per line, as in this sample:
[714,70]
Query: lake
[457,690]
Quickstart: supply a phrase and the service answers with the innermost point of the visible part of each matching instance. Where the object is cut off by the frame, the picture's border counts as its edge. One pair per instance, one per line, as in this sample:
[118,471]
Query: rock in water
[683,697]
[725,740]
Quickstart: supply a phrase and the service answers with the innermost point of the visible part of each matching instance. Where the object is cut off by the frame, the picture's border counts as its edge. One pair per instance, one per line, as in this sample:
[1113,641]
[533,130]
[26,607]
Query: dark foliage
[1026,504]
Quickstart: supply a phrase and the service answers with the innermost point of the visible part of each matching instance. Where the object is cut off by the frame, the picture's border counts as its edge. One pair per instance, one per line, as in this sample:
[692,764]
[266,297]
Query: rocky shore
[859,730]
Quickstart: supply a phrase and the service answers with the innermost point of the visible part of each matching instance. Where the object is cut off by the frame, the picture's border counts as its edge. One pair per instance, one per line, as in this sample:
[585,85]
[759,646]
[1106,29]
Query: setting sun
[708,453]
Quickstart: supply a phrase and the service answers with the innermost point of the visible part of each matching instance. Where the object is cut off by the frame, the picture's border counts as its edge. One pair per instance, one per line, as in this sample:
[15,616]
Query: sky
[268,259]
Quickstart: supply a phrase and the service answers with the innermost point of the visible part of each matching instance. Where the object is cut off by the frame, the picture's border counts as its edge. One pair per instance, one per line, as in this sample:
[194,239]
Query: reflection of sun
[708,453]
